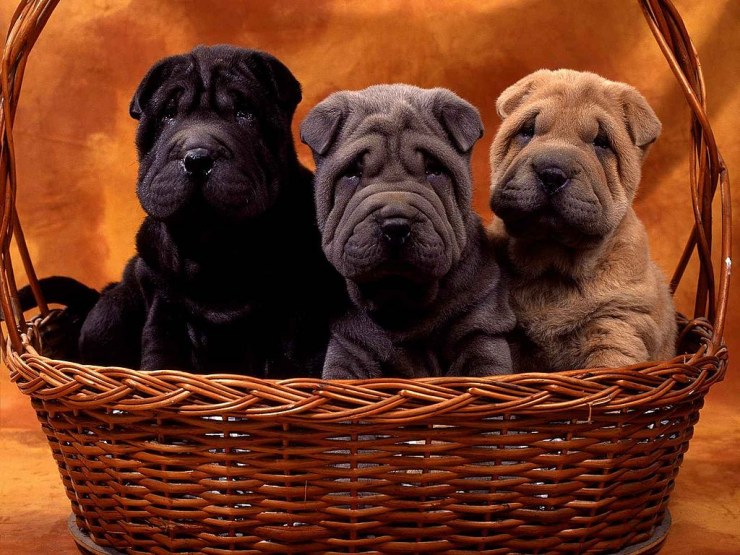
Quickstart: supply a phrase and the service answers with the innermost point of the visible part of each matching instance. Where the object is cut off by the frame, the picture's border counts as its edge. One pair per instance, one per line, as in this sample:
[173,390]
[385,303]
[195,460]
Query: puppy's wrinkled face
[392,184]
[392,208]
[214,134]
[566,160]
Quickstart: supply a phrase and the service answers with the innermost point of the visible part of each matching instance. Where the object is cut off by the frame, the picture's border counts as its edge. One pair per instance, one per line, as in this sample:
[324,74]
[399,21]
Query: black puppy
[229,274]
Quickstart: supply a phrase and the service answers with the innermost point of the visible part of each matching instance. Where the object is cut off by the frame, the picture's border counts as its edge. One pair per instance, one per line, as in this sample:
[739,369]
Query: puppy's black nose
[553,179]
[198,162]
[396,230]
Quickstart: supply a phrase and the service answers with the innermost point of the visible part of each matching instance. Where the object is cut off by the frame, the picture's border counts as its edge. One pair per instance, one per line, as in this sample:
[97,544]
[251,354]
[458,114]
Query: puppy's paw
[340,373]
[611,358]
[485,356]
[483,371]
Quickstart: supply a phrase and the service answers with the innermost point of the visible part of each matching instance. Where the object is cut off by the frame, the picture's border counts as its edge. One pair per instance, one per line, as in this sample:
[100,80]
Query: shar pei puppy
[229,274]
[566,166]
[393,202]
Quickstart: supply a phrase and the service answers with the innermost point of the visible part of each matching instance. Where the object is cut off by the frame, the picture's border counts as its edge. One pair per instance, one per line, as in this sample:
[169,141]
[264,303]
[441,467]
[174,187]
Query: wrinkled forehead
[199,74]
[581,106]
[385,143]
[585,96]
[387,117]
[397,137]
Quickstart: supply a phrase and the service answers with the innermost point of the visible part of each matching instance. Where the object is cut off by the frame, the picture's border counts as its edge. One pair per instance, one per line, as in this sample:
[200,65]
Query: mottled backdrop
[76,158]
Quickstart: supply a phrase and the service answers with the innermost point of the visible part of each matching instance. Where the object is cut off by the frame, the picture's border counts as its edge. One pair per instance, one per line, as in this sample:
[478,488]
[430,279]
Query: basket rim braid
[402,401]
[564,462]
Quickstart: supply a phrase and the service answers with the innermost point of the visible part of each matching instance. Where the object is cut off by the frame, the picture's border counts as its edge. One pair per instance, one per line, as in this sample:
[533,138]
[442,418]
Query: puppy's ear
[460,119]
[642,123]
[322,124]
[156,75]
[514,96]
[278,78]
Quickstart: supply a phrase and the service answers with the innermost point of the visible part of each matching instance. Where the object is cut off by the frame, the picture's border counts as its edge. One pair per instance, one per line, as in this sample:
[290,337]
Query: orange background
[77,163]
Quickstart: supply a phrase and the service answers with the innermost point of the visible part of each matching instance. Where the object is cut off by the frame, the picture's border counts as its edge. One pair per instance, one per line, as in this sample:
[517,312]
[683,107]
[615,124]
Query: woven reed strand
[568,462]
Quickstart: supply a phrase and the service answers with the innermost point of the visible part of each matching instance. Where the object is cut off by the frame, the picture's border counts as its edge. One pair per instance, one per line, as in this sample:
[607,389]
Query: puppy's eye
[169,112]
[244,112]
[434,171]
[602,141]
[526,131]
[353,173]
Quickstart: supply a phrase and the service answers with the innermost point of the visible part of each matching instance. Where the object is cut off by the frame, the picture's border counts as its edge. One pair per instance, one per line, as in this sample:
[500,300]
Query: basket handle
[29,19]
[707,169]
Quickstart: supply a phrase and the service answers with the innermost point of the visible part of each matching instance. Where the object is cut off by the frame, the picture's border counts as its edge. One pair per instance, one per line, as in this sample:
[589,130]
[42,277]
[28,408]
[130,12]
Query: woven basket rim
[649,384]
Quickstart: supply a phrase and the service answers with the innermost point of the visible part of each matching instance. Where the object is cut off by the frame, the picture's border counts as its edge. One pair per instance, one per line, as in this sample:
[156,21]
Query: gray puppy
[393,198]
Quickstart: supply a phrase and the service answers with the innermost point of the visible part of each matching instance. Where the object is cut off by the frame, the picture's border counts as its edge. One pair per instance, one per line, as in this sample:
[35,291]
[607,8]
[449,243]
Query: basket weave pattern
[522,466]
[570,462]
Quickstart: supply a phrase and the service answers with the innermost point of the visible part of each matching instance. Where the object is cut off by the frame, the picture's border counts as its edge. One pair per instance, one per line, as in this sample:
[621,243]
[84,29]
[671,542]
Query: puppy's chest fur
[618,314]
[461,333]
[419,353]
[217,331]
[552,305]
[237,303]
[425,348]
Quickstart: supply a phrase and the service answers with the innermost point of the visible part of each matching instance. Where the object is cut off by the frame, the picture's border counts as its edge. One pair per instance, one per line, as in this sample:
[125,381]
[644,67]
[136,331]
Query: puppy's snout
[198,162]
[552,179]
[396,230]
[396,219]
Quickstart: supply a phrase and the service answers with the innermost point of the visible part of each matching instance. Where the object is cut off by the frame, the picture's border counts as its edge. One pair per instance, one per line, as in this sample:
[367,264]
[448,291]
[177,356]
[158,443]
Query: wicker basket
[570,462]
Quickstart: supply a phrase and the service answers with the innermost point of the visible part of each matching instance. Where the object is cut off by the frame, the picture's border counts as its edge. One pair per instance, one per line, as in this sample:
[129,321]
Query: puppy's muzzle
[552,179]
[198,162]
[396,231]
[395,221]
[555,167]
[199,150]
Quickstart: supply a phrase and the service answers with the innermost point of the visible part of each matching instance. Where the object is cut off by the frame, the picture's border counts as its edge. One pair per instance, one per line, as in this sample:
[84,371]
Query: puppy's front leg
[357,349]
[482,355]
[477,344]
[612,343]
[111,332]
[610,356]
[347,360]
[165,343]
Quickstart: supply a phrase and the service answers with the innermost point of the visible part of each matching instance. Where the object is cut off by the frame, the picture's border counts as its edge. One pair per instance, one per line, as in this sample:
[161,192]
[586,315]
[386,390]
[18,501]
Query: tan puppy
[566,166]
